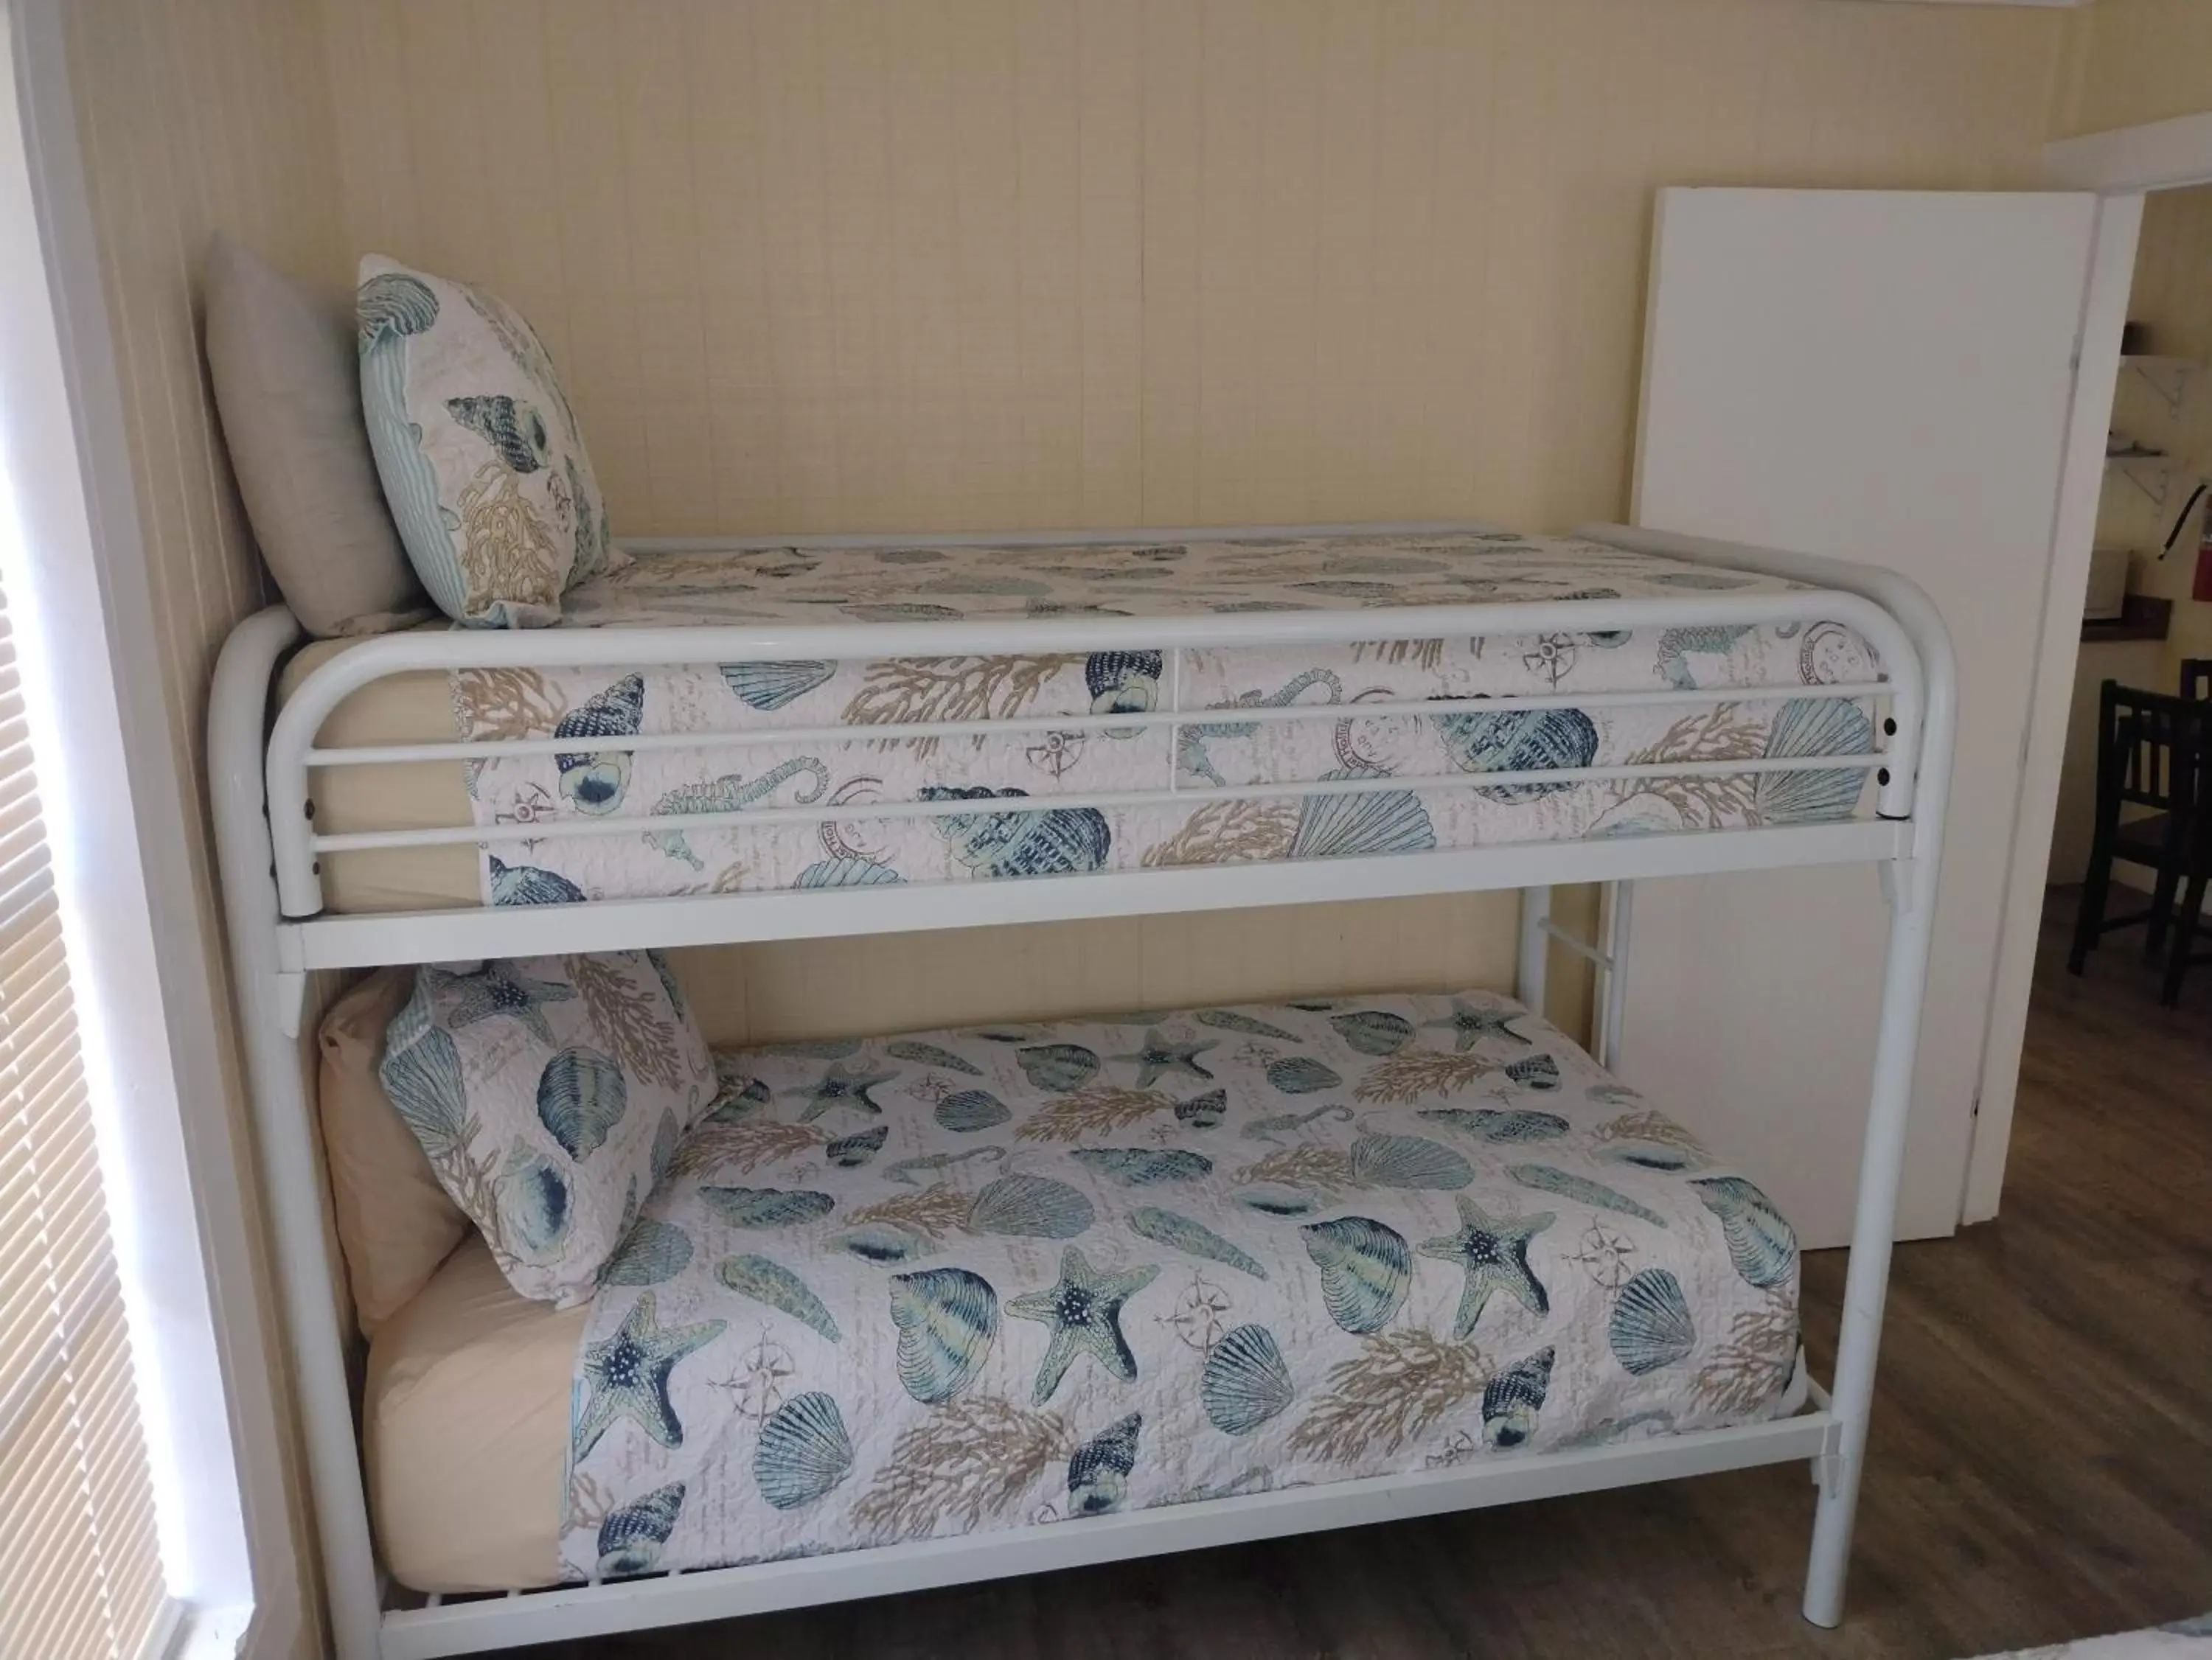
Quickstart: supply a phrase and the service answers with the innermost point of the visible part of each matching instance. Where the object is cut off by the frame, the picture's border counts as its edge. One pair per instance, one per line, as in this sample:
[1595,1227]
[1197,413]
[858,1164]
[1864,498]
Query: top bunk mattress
[1284,715]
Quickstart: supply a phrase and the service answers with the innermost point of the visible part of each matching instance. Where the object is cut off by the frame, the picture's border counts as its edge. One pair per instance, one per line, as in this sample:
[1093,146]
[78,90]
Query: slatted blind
[80,1559]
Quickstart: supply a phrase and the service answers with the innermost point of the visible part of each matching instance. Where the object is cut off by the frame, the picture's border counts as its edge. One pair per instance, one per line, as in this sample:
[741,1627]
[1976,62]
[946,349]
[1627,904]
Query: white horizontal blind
[80,1569]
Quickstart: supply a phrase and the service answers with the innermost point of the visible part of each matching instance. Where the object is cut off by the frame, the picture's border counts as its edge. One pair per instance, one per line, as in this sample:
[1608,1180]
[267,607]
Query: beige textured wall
[849,265]
[2135,61]
[193,118]
[854,265]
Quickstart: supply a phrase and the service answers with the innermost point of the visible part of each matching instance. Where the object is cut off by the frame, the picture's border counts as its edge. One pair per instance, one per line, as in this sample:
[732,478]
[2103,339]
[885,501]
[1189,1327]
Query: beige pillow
[395,1223]
[288,385]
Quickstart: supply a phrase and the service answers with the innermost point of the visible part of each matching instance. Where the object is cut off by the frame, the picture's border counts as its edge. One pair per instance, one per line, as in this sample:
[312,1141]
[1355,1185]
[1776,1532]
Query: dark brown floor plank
[2041,1463]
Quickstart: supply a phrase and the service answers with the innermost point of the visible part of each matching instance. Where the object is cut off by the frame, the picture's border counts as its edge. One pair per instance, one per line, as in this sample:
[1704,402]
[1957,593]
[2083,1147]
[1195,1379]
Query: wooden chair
[2197,679]
[2196,877]
[2151,751]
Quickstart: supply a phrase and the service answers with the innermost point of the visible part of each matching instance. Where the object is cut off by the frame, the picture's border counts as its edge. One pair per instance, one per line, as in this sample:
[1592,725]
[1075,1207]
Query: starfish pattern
[1085,1312]
[1495,1255]
[628,1375]
[496,989]
[1470,1025]
[1159,1055]
[840,1087]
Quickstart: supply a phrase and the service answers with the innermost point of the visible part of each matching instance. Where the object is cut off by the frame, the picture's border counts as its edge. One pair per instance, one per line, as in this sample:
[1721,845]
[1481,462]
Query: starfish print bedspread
[919,1286]
[1240,742]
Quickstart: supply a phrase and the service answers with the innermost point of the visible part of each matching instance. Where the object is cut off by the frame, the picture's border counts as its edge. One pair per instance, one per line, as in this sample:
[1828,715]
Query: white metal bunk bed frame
[260,783]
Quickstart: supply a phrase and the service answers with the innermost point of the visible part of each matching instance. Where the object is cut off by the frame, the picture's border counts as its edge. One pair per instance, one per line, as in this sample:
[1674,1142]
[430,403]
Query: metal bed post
[1910,887]
[270,999]
[1612,1013]
[1535,959]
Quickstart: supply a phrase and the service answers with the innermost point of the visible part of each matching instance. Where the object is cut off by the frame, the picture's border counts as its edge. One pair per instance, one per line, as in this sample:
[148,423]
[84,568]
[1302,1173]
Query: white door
[1886,377]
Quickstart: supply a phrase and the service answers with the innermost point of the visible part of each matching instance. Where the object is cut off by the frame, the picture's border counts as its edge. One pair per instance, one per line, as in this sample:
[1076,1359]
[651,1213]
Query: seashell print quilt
[922,1285]
[793,588]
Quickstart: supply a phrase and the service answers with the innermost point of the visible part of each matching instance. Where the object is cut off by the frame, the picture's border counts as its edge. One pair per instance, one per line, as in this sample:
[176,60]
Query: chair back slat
[2197,679]
[2151,746]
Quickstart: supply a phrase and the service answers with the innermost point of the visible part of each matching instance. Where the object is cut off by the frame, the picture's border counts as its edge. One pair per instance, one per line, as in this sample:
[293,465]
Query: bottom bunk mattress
[936,1284]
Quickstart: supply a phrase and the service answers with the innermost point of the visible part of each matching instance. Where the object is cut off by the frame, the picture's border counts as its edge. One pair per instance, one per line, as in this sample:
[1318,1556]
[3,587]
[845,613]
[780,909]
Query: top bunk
[755,740]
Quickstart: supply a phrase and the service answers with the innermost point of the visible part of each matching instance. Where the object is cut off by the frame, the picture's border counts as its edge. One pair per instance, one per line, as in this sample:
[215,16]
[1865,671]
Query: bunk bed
[808,737]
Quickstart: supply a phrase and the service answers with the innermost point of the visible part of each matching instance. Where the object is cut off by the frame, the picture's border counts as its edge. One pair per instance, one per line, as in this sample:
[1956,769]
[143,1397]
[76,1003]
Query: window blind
[81,1572]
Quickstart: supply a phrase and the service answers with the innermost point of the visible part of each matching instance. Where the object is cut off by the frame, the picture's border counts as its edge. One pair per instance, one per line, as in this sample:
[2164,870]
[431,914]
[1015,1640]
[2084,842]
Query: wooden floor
[2041,1465]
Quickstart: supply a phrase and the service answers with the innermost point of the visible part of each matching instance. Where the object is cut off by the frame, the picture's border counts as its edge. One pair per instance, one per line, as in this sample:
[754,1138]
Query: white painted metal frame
[269,848]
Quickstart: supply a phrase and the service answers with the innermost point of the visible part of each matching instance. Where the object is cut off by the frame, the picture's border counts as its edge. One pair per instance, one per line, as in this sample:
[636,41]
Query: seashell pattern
[1650,1327]
[930,1054]
[1762,1245]
[652,1253]
[595,781]
[1491,1125]
[1180,1233]
[1813,726]
[1245,1382]
[1547,1179]
[1203,1111]
[1231,1020]
[766,1207]
[1055,841]
[1277,1199]
[581,1096]
[946,1319]
[534,1201]
[971,1110]
[1098,1474]
[772,1283]
[770,686]
[1137,1167]
[1040,1247]
[1354,826]
[848,873]
[851,1152]
[1123,682]
[1537,1072]
[630,1539]
[1031,1208]
[1058,1067]
[1302,1074]
[804,1452]
[1373,1031]
[1519,741]
[1366,1269]
[1511,1400]
[881,1243]
[525,884]
[1409,1162]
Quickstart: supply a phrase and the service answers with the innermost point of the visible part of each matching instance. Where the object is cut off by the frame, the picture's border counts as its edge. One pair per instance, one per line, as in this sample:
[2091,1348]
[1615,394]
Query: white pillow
[283,363]
[548,1094]
[482,465]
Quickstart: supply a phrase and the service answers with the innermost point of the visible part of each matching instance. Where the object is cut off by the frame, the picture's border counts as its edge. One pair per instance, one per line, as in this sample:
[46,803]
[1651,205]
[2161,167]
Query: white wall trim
[2160,156]
[2080,482]
[150,1015]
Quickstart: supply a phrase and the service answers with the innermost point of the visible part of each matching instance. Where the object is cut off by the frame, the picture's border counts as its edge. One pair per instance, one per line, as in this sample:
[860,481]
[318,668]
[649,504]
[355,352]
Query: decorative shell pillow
[549,1093]
[481,459]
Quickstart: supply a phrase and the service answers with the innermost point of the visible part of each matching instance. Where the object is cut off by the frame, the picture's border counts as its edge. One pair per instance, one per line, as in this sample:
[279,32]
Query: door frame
[2120,167]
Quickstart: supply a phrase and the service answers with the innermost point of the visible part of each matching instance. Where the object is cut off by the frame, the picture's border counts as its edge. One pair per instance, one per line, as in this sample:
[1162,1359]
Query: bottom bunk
[1012,1277]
